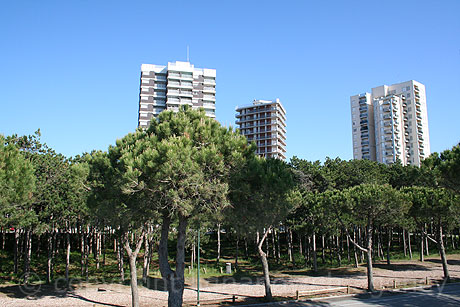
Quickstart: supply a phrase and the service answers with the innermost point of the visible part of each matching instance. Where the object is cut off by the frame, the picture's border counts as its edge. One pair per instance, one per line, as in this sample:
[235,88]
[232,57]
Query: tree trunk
[289,243]
[246,252]
[218,243]
[16,250]
[323,248]
[87,251]
[370,275]
[390,234]
[192,257]
[145,267]
[300,245]
[174,279]
[427,249]
[331,243]
[404,242]
[278,246]
[263,259]
[236,253]
[38,244]
[98,249]
[422,239]
[315,260]
[339,256]
[82,251]
[50,257]
[361,240]
[354,249]
[27,255]
[132,266]
[67,257]
[103,248]
[442,251]
[307,246]
[348,250]
[3,238]
[274,245]
[120,256]
[409,246]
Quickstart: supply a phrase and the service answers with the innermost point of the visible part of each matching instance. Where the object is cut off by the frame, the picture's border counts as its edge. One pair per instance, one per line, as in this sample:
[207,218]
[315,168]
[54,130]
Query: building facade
[391,124]
[169,87]
[264,122]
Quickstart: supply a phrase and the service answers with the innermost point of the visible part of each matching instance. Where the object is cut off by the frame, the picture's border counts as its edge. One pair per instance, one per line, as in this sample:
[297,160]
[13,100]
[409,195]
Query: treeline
[185,172]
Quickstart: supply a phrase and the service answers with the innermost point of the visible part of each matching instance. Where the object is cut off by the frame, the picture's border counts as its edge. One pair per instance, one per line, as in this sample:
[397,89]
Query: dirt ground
[222,289]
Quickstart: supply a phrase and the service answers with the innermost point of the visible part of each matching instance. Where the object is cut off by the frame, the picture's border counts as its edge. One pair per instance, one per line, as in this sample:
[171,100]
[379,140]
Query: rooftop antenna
[188,54]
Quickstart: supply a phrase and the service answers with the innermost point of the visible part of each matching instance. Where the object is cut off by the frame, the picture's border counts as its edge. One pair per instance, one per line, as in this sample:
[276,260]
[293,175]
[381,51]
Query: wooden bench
[298,293]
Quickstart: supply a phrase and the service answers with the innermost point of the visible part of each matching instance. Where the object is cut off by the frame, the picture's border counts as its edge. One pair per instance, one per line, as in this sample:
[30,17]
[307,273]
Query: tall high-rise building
[391,124]
[169,87]
[264,122]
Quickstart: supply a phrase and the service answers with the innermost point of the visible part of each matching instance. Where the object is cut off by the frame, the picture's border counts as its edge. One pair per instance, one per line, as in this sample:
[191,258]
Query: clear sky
[72,68]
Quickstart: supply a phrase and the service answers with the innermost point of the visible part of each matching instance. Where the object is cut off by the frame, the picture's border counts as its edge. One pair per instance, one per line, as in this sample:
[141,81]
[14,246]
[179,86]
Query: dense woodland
[143,199]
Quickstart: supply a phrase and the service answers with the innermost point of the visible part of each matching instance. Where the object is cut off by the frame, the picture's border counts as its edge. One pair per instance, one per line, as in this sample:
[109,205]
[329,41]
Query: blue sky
[71,68]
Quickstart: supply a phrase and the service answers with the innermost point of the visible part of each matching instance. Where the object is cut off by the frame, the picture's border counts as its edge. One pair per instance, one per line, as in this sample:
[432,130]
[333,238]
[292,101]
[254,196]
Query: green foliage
[371,204]
[437,205]
[345,174]
[264,194]
[17,185]
[446,168]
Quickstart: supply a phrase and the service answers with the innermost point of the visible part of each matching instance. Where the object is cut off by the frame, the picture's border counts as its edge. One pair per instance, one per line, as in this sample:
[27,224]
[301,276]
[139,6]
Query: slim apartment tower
[264,122]
[169,87]
[400,124]
[362,113]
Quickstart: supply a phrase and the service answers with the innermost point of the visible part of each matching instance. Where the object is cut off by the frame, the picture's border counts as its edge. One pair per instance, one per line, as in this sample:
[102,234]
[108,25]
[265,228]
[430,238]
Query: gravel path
[283,285]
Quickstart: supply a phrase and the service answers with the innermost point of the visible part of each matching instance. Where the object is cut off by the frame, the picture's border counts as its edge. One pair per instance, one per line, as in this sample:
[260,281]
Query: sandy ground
[223,289]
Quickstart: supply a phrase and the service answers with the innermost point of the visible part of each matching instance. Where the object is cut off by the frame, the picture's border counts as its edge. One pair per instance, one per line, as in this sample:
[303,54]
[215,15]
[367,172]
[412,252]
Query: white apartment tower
[391,124]
[169,87]
[264,122]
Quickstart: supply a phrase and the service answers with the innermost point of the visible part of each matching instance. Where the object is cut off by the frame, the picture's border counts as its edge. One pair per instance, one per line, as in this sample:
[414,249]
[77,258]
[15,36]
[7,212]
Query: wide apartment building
[169,87]
[391,124]
[264,122]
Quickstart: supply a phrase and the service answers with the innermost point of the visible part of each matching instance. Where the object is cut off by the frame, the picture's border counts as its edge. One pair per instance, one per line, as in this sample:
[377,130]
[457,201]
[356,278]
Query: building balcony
[209,98]
[209,82]
[180,93]
[175,76]
[209,90]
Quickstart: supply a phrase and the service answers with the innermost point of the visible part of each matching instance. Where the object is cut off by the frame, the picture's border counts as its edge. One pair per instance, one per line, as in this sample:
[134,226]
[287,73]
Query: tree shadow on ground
[37,292]
[401,267]
[235,278]
[281,300]
[438,261]
[34,292]
[337,272]
[154,283]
